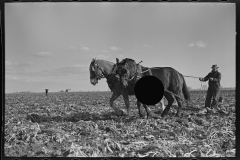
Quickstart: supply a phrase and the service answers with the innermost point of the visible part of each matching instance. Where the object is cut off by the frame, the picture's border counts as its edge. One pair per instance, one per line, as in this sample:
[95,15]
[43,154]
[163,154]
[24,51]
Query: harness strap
[136,74]
[191,76]
[183,100]
[150,72]
[113,70]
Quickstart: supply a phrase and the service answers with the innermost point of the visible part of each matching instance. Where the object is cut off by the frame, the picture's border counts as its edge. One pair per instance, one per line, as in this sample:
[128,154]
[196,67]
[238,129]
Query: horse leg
[162,102]
[112,99]
[149,113]
[170,100]
[179,106]
[126,101]
[139,109]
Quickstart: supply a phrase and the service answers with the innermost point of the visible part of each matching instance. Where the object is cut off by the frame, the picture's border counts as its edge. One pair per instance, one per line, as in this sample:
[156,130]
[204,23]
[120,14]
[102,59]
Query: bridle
[96,69]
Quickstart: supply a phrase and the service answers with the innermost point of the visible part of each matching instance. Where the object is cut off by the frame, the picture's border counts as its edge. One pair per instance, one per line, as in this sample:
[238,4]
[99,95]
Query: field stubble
[82,124]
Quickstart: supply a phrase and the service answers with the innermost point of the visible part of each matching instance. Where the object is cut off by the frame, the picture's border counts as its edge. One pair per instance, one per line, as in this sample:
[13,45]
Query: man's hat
[214,66]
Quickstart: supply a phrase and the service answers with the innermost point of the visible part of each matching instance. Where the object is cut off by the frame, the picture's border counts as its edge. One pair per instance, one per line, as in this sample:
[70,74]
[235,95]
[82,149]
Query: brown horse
[105,69]
[172,80]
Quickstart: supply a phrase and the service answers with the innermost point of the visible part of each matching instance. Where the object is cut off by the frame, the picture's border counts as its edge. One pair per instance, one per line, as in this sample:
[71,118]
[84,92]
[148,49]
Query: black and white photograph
[120,79]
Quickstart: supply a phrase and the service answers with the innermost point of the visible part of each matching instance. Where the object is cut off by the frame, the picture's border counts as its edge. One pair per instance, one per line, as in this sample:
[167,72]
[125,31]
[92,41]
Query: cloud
[22,64]
[20,70]
[113,48]
[82,47]
[191,45]
[69,70]
[88,49]
[16,79]
[85,48]
[43,54]
[14,68]
[199,44]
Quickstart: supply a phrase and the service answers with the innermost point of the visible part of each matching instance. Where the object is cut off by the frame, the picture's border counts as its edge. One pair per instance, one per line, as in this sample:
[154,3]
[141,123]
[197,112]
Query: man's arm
[218,78]
[206,77]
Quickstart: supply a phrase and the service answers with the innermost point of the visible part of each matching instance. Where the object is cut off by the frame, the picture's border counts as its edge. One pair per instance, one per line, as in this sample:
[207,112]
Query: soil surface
[82,124]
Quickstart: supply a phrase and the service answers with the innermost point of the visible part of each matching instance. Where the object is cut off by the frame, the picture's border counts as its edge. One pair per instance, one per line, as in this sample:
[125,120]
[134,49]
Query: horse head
[96,72]
[126,69]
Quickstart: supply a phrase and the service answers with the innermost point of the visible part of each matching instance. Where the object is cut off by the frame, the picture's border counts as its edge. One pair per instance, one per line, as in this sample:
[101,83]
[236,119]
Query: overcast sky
[51,45]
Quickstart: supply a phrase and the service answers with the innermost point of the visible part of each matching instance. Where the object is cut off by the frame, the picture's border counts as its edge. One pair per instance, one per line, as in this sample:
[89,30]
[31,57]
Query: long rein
[149,70]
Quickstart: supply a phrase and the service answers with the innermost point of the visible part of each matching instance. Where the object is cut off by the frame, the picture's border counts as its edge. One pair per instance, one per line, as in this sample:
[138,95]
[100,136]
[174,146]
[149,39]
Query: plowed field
[82,124]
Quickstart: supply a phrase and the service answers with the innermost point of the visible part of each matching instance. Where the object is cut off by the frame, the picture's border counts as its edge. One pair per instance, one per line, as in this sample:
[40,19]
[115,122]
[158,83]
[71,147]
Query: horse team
[122,77]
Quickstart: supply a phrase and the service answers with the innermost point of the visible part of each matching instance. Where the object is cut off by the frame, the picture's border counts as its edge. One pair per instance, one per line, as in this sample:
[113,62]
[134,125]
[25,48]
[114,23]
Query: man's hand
[211,79]
[200,79]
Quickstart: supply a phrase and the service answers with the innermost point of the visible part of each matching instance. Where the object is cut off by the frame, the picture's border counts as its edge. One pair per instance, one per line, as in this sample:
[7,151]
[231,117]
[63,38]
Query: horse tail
[185,90]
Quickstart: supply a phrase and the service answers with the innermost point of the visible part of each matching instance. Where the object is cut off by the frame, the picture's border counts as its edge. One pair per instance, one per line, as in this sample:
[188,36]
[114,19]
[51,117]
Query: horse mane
[130,65]
[126,60]
[97,60]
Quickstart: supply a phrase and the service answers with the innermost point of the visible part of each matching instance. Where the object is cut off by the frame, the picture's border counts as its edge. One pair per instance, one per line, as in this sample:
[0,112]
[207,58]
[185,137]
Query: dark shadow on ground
[84,116]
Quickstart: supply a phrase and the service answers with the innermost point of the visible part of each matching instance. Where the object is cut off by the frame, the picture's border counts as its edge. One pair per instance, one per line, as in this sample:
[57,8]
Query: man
[213,91]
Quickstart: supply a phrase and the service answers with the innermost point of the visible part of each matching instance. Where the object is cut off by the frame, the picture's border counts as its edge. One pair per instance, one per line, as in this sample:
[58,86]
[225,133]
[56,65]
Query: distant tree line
[205,87]
[23,92]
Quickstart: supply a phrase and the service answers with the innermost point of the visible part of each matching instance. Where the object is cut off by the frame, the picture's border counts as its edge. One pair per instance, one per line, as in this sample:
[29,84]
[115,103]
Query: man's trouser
[212,94]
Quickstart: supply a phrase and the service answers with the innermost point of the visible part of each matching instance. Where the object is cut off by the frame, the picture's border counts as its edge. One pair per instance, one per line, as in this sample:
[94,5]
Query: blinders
[98,72]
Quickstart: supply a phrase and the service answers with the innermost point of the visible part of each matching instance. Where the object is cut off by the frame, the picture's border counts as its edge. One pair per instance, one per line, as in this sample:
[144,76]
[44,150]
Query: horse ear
[117,60]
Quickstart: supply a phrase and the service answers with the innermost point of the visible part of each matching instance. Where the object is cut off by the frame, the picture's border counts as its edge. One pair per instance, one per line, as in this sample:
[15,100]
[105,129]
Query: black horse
[129,72]
[104,69]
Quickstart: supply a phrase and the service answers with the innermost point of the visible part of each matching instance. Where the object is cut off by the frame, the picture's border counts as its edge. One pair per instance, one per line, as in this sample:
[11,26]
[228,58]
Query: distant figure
[46,92]
[213,91]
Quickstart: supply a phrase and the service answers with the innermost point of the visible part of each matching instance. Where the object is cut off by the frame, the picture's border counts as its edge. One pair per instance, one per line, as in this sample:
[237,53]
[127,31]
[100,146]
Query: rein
[191,76]
[96,66]
[150,72]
